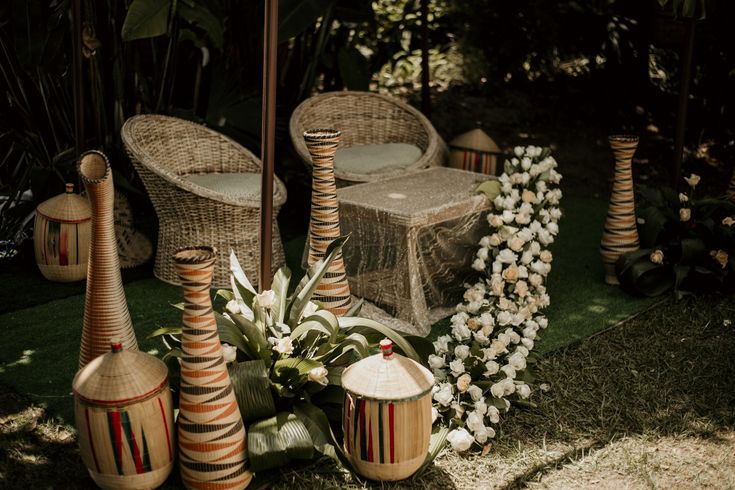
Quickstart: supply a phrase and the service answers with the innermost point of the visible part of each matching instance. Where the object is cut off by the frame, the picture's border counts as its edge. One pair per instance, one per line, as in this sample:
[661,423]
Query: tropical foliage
[687,243]
[287,355]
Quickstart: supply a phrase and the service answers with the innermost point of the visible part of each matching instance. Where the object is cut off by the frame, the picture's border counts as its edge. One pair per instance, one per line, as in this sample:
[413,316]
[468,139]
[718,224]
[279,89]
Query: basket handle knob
[387,347]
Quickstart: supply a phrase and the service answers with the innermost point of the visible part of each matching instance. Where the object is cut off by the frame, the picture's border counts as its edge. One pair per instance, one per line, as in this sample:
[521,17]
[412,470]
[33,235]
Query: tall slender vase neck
[195,267]
[322,145]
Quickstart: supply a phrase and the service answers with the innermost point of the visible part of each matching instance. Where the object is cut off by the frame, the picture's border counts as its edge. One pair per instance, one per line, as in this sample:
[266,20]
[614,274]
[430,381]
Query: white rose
[498,389]
[542,321]
[517,360]
[519,151]
[492,368]
[284,346]
[497,267]
[515,243]
[229,353]
[495,220]
[475,421]
[521,288]
[266,299]
[458,410]
[482,253]
[461,332]
[685,214]
[463,383]
[462,351]
[527,343]
[536,280]
[545,256]
[460,439]
[475,392]
[523,390]
[319,375]
[309,309]
[493,414]
[232,307]
[436,362]
[441,344]
[444,395]
[478,265]
[527,257]
[683,197]
[457,367]
[693,180]
[508,217]
[509,371]
[494,240]
[504,318]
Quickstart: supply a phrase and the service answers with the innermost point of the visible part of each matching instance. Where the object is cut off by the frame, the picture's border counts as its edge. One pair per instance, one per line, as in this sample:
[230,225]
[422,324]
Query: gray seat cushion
[375,159]
[243,185]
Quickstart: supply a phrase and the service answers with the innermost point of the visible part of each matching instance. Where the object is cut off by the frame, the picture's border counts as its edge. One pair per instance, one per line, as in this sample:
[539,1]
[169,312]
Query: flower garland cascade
[481,367]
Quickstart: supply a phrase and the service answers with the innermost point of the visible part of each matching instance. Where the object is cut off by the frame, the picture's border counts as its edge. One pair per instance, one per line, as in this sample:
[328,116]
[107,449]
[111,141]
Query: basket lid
[387,376]
[120,377]
[476,140]
[68,207]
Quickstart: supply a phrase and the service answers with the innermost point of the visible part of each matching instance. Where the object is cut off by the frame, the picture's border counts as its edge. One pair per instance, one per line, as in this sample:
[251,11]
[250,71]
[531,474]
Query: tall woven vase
[620,234]
[212,450]
[106,314]
[334,290]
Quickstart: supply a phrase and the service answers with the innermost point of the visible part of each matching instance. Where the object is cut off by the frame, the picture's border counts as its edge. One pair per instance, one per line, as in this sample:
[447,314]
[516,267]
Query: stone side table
[413,241]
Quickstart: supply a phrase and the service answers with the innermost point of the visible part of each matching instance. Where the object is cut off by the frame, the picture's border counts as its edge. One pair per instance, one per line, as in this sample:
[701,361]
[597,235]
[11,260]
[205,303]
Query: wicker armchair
[166,152]
[367,118]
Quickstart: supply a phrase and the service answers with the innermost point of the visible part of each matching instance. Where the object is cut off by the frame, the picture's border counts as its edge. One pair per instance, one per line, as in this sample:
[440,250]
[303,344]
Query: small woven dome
[476,140]
[387,376]
[66,207]
[120,377]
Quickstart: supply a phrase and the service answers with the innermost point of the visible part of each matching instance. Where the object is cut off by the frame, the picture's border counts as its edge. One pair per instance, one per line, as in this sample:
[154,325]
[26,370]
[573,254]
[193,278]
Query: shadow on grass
[669,371]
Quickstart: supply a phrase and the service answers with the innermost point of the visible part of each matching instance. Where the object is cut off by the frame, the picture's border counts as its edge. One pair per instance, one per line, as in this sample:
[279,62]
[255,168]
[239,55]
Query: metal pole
[425,94]
[681,115]
[76,36]
[268,137]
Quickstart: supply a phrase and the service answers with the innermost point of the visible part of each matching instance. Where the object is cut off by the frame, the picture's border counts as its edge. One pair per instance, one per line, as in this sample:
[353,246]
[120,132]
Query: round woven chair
[167,152]
[366,118]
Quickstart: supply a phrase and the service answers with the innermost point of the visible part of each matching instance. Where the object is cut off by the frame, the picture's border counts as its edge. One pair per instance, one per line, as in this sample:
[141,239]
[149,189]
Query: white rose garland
[479,367]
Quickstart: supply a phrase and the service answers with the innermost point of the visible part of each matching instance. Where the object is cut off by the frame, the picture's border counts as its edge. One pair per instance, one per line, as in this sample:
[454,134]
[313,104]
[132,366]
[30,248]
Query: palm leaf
[303,296]
[254,337]
[361,325]
[146,18]
[275,441]
[252,389]
[281,281]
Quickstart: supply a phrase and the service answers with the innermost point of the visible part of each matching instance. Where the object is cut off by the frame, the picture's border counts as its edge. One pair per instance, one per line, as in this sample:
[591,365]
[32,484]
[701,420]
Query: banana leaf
[229,333]
[303,296]
[353,342]
[275,441]
[252,390]
[146,18]
[323,321]
[436,444]
[360,325]
[638,275]
[293,372]
[165,331]
[252,336]
[316,422]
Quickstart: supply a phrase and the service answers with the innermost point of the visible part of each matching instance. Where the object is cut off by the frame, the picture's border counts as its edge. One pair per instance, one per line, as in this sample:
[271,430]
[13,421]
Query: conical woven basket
[212,447]
[387,415]
[61,236]
[124,415]
[475,151]
[106,314]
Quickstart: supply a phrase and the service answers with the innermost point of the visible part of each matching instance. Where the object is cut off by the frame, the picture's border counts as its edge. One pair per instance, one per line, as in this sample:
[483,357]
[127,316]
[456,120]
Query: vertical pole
[76,36]
[425,93]
[681,114]
[268,137]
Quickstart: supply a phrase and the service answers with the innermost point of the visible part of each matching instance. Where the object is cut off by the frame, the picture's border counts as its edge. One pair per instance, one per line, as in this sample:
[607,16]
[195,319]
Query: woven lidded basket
[124,415]
[61,236]
[387,414]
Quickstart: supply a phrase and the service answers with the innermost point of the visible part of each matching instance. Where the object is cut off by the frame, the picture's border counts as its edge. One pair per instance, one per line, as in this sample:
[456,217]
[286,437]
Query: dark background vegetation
[561,73]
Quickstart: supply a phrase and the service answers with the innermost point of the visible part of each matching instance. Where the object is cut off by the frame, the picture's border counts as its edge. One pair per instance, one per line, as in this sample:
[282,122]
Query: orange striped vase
[106,314]
[334,291]
[620,234]
[212,450]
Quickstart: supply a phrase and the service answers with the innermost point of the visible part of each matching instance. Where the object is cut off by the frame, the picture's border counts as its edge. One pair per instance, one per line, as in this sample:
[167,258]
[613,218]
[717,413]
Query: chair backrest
[363,118]
[176,147]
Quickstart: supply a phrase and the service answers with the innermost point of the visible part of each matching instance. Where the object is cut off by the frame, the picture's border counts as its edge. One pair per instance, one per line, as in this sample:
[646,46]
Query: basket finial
[69,188]
[387,347]
[116,345]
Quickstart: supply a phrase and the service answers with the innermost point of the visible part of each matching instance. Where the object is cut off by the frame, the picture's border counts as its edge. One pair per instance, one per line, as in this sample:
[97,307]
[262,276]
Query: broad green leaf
[229,333]
[281,281]
[165,331]
[203,18]
[357,324]
[353,342]
[310,326]
[275,441]
[436,444]
[295,16]
[146,18]
[254,337]
[353,68]
[252,389]
[491,188]
[304,295]
[317,423]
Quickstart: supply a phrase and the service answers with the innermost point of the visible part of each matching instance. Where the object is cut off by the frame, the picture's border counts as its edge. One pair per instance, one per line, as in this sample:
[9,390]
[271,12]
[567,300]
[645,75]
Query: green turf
[40,351]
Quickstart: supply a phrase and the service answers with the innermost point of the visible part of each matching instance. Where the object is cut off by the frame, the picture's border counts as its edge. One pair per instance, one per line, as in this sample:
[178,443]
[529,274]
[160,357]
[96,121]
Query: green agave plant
[290,356]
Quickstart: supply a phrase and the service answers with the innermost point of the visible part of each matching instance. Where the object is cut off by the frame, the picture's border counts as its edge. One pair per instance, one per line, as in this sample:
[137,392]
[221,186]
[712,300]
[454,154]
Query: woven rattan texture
[164,150]
[413,241]
[367,118]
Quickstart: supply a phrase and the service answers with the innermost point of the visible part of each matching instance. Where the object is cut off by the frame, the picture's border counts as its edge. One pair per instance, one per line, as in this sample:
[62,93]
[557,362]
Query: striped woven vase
[620,234]
[731,188]
[106,314]
[334,290]
[212,450]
